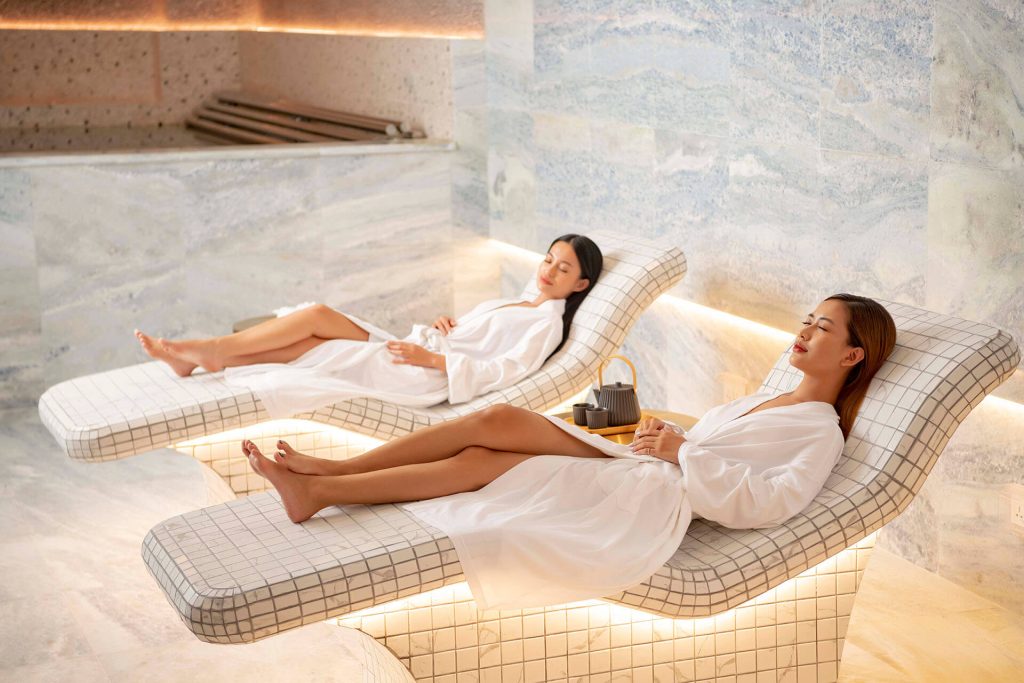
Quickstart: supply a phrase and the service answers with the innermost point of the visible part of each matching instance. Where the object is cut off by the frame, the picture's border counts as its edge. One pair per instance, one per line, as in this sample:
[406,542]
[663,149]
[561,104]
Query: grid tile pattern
[942,367]
[792,632]
[132,410]
[379,665]
[241,571]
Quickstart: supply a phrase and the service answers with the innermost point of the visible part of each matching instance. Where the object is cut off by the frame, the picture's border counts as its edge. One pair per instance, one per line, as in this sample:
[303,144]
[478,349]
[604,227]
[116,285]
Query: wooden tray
[604,431]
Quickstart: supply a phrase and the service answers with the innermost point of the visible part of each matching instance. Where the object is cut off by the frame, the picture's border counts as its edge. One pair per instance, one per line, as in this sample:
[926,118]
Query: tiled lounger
[755,604]
[136,409]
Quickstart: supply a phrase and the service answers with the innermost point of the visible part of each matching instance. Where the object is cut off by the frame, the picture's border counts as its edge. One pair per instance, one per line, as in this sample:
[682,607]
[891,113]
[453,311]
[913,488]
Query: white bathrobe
[556,529]
[493,346]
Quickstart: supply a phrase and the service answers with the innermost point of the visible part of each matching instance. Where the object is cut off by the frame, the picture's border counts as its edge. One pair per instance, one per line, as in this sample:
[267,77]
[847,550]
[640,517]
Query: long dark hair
[591,262]
[872,329]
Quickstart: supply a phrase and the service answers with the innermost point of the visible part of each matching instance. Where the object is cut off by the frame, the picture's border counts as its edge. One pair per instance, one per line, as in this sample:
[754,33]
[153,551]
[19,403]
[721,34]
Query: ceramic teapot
[618,399]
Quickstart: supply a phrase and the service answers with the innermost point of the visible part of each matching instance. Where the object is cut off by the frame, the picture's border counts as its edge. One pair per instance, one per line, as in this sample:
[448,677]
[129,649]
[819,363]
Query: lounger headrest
[941,368]
[636,271]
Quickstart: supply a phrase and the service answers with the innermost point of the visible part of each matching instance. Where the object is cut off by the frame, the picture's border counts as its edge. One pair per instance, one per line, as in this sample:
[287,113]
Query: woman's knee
[320,311]
[499,415]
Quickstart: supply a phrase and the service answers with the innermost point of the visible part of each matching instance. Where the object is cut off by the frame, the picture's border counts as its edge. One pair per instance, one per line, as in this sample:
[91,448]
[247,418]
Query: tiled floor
[77,602]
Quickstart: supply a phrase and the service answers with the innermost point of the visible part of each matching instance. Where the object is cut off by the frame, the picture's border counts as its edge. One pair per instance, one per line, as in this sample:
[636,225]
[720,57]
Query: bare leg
[498,428]
[304,495]
[318,321]
[156,351]
[283,355]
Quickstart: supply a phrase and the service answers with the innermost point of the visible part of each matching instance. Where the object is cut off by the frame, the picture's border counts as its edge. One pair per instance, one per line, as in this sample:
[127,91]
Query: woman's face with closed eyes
[558,275]
[822,346]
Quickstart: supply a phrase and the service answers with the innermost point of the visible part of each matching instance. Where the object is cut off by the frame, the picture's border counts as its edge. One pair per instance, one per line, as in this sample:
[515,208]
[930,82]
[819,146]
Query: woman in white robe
[490,347]
[541,512]
[316,356]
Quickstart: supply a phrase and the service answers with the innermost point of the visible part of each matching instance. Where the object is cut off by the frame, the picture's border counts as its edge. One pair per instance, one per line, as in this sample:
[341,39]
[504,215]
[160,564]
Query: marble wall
[182,244]
[792,149]
[783,144]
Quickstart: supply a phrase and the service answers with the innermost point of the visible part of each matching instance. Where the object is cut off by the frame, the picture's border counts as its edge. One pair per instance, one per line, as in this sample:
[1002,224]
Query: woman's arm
[407,353]
[516,352]
[728,491]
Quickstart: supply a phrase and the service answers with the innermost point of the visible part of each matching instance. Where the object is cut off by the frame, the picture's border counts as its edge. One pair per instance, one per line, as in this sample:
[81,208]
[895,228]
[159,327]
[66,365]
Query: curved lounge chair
[132,410]
[778,600]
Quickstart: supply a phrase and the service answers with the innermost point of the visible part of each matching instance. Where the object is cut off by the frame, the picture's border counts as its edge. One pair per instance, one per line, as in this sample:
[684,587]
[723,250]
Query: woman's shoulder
[555,307]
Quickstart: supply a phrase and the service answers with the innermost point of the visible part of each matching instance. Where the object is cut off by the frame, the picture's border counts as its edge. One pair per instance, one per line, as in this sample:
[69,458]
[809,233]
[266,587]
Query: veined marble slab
[661,64]
[561,56]
[469,165]
[21,355]
[511,177]
[876,72]
[328,149]
[182,244]
[509,53]
[871,204]
[776,71]
[977,85]
[975,232]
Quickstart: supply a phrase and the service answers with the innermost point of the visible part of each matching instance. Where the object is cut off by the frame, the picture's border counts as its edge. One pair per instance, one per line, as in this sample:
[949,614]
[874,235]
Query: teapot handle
[600,370]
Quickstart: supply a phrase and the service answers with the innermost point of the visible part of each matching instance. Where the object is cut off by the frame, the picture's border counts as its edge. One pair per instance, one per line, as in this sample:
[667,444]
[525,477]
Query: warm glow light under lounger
[136,409]
[732,602]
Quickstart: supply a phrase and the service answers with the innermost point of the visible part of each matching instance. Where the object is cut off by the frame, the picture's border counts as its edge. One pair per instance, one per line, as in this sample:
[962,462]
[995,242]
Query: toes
[283,445]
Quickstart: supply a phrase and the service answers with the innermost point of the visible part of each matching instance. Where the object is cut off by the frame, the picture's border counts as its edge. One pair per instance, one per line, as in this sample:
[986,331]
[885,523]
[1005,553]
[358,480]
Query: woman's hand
[649,426]
[444,324]
[407,353]
[655,437]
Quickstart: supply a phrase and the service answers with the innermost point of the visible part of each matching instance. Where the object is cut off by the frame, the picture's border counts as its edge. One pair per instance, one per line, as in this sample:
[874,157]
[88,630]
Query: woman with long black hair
[317,356]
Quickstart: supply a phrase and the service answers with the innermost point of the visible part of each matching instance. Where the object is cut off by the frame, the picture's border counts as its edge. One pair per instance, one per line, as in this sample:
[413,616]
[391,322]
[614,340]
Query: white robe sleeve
[723,487]
[469,377]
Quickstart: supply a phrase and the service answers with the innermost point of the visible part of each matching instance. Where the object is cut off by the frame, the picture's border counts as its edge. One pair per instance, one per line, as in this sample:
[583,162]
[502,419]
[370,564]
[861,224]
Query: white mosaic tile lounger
[132,410]
[738,605]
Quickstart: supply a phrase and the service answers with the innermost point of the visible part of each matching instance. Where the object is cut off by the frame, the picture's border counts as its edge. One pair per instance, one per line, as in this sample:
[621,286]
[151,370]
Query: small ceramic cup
[579,413]
[597,418]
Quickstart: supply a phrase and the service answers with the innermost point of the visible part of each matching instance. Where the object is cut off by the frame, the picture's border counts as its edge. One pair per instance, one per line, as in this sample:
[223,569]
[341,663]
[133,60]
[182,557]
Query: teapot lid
[617,386]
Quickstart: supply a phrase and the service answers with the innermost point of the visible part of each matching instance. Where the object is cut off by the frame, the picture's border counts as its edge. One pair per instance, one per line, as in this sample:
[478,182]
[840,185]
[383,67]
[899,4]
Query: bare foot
[300,463]
[198,351]
[154,350]
[294,489]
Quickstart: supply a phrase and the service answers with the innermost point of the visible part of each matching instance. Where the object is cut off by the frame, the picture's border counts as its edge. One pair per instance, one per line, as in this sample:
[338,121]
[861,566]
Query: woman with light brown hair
[541,512]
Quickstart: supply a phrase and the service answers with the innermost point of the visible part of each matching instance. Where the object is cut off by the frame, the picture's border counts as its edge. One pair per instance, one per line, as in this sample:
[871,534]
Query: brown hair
[872,329]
